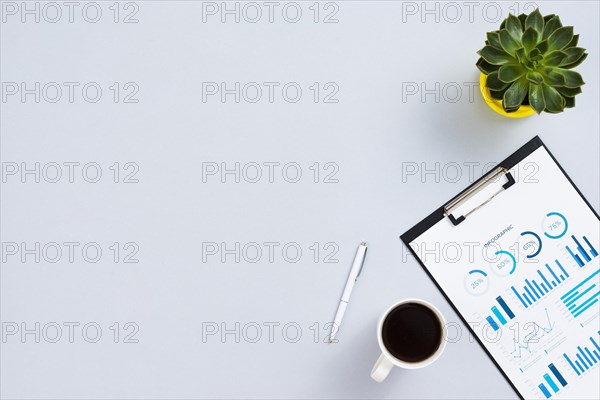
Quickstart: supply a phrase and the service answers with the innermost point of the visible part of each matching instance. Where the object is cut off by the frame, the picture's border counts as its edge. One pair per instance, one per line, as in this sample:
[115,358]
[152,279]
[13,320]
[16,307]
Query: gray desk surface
[408,131]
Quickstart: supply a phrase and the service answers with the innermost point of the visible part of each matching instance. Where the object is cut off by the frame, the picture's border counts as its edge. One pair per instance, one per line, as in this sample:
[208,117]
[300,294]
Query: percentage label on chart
[505,265]
[555,225]
[476,282]
[530,244]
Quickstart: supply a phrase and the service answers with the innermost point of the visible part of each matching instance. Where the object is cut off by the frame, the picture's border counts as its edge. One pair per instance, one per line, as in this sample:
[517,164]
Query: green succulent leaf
[576,63]
[496,56]
[535,77]
[511,72]
[493,39]
[560,38]
[555,58]
[494,83]
[535,20]
[568,92]
[569,102]
[552,77]
[536,98]
[522,18]
[530,39]
[542,46]
[552,25]
[521,55]
[515,94]
[534,53]
[507,42]
[555,103]
[548,18]
[503,24]
[572,79]
[497,94]
[539,57]
[514,27]
[573,43]
[573,55]
[486,67]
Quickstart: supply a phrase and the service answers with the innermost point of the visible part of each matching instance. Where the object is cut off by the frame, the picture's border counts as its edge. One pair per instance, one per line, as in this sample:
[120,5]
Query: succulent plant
[529,61]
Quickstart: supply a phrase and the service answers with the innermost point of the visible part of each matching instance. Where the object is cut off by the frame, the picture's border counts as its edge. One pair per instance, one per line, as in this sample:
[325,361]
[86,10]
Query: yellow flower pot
[496,105]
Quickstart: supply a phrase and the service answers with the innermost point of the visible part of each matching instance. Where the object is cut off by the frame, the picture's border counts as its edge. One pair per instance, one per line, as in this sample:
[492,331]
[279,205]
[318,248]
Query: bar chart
[551,382]
[498,314]
[583,257]
[583,296]
[585,358]
[549,279]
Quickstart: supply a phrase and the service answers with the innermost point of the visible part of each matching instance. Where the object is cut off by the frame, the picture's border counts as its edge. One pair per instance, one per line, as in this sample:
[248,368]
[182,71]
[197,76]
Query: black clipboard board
[445,211]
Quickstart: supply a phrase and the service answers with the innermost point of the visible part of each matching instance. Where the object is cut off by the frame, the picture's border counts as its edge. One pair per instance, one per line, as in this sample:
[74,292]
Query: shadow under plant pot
[496,105]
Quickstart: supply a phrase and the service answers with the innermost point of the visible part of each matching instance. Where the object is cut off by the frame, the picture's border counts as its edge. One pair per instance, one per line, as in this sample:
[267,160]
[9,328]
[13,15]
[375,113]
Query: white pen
[354,273]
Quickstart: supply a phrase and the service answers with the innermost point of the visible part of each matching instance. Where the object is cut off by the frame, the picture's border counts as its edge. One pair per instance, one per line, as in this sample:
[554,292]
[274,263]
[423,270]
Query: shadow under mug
[387,360]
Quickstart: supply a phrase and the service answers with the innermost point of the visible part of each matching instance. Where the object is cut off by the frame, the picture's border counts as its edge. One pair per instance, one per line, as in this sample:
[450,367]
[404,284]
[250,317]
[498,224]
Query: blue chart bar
[553,274]
[519,297]
[579,310]
[586,358]
[505,307]
[591,356]
[498,314]
[571,364]
[492,323]
[592,249]
[583,257]
[544,390]
[581,250]
[534,290]
[529,293]
[575,257]
[544,279]
[561,268]
[558,375]
[595,344]
[578,295]
[550,382]
[583,296]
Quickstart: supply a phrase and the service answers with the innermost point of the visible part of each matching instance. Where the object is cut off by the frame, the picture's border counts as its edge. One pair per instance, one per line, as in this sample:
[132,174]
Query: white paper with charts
[523,270]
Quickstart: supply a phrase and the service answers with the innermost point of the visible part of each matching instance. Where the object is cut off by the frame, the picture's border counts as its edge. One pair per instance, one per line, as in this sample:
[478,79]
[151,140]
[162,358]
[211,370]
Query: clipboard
[536,264]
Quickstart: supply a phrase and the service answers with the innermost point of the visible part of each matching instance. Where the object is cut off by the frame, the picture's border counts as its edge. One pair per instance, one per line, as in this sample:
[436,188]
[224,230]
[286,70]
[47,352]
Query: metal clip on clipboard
[476,188]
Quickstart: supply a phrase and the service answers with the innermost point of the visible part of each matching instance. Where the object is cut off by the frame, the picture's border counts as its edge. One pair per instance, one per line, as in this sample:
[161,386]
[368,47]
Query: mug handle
[381,369]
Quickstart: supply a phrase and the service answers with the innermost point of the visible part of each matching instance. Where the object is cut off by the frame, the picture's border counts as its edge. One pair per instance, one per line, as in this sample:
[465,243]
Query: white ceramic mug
[387,361]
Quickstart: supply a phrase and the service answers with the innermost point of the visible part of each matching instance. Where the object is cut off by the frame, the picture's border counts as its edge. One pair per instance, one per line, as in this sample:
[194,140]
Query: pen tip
[363,244]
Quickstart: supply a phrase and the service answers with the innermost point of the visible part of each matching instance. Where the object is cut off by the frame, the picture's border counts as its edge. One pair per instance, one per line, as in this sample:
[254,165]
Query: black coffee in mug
[412,332]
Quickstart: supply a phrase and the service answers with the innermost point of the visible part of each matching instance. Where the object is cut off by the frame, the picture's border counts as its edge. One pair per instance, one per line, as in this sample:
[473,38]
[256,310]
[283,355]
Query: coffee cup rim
[405,364]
